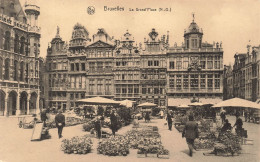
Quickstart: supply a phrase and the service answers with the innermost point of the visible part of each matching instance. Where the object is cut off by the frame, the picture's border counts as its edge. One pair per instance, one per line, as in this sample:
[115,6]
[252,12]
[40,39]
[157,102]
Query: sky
[234,22]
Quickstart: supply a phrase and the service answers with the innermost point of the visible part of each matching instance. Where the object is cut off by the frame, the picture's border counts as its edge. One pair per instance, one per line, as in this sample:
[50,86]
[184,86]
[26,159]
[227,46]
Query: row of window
[150,90]
[20,70]
[128,90]
[193,83]
[203,63]
[127,63]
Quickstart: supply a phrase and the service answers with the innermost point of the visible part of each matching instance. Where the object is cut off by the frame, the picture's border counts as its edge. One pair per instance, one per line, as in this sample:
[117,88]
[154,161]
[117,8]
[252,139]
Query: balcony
[34,29]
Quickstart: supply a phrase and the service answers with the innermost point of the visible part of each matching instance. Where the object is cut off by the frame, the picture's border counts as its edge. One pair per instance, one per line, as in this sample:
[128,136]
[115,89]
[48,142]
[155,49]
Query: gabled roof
[99,44]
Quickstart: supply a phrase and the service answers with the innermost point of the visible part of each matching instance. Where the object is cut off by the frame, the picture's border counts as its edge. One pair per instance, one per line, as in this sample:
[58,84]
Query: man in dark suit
[169,120]
[191,133]
[60,122]
[44,117]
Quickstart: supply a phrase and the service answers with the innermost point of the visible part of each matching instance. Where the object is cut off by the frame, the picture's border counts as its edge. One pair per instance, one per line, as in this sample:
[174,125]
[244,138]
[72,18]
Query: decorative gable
[100,44]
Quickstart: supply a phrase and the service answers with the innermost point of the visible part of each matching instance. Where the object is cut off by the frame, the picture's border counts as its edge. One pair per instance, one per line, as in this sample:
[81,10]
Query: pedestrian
[239,124]
[161,114]
[246,114]
[113,121]
[44,116]
[147,117]
[98,127]
[223,116]
[169,120]
[227,126]
[190,132]
[237,114]
[60,122]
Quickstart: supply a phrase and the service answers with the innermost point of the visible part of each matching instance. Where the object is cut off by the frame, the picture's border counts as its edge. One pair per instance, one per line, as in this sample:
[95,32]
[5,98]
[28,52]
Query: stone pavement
[16,145]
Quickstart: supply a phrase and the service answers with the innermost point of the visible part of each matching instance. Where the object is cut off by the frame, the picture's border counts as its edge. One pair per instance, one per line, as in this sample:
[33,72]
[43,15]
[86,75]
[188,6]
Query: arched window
[7,41]
[1,67]
[21,71]
[1,38]
[16,44]
[15,70]
[22,45]
[7,66]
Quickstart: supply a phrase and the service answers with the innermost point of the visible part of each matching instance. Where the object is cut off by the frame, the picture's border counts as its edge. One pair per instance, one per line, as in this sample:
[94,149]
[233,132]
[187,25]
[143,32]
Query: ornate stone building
[121,69]
[19,58]
[246,75]
[127,69]
[56,73]
[153,69]
[195,70]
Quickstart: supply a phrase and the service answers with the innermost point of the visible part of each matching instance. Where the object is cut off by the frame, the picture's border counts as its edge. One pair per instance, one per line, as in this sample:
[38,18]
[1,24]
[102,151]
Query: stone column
[6,109]
[37,103]
[18,111]
[28,103]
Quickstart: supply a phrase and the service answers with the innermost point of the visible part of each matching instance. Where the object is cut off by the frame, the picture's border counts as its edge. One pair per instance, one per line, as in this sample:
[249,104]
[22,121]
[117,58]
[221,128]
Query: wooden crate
[152,155]
[141,155]
[163,156]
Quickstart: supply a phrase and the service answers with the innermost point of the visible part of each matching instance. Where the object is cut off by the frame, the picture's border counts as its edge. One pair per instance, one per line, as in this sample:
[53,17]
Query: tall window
[72,67]
[172,65]
[16,44]
[7,41]
[156,63]
[217,81]
[77,66]
[99,86]
[124,90]
[100,66]
[136,90]
[194,81]
[194,43]
[83,68]
[172,81]
[202,81]
[144,90]
[130,89]
[1,67]
[15,70]
[22,44]
[185,62]
[118,89]
[186,81]
[72,82]
[210,62]
[210,81]
[150,63]
[217,62]
[7,66]
[178,82]
[179,63]
[203,62]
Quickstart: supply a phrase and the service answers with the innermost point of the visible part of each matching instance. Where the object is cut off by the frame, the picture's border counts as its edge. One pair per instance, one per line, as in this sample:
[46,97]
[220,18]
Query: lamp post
[194,66]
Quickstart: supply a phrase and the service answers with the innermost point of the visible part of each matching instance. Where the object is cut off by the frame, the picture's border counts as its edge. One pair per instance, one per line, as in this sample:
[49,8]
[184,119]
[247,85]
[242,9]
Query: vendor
[227,126]
[238,124]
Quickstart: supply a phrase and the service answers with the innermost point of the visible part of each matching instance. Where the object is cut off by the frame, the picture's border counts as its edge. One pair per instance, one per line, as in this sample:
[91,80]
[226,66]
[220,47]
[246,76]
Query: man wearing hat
[60,122]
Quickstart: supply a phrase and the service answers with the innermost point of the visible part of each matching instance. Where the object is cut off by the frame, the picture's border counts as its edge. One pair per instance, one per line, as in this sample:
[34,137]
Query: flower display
[114,146]
[230,141]
[77,145]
